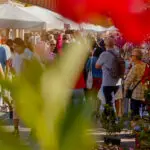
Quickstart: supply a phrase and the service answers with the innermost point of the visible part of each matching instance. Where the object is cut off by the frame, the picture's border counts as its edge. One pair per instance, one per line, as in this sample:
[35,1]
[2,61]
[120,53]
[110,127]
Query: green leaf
[9,142]
[73,129]
[42,96]
[28,102]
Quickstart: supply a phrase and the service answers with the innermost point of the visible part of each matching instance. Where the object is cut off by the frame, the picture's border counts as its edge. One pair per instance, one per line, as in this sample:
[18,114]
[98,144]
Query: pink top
[59,43]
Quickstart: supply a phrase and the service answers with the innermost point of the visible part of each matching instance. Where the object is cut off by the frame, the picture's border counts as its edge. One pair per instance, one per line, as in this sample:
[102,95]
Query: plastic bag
[89,82]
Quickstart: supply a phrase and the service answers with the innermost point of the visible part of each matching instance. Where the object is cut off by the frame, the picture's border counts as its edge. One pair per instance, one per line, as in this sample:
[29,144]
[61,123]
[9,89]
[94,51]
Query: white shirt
[17,63]
[18,59]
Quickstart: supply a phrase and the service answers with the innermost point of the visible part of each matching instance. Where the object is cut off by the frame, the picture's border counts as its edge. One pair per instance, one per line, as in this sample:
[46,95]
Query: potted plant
[111,125]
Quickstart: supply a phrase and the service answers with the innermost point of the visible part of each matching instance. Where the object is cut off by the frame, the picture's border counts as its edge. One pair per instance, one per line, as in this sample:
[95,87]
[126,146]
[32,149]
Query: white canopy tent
[92,27]
[72,24]
[52,22]
[13,17]
[52,19]
[113,28]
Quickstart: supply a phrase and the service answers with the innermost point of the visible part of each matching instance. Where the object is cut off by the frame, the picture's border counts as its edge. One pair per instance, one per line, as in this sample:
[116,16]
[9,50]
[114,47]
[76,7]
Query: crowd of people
[115,65]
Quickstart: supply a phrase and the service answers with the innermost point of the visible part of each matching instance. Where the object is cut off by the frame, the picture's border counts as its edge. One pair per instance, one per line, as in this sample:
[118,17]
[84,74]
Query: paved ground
[126,140]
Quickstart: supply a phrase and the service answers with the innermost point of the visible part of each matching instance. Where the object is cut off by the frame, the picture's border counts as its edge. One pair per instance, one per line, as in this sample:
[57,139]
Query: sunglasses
[53,44]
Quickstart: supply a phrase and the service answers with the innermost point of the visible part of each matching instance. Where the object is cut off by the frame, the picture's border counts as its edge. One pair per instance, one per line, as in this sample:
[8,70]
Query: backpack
[118,66]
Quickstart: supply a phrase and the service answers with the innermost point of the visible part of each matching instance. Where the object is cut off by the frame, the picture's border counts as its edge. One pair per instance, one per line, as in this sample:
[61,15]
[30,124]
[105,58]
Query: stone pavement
[126,140]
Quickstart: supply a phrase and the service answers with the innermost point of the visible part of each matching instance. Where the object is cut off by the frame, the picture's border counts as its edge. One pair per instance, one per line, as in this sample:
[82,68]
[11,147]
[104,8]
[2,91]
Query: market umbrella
[112,28]
[93,27]
[73,25]
[54,6]
[53,20]
[13,17]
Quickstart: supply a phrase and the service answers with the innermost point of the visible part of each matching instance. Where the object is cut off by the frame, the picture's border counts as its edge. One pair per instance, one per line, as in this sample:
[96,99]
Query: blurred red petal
[134,26]
[78,10]
[81,10]
[131,17]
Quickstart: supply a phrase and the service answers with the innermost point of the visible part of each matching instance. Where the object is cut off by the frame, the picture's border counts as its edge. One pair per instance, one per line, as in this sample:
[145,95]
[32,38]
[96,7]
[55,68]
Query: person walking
[18,63]
[106,61]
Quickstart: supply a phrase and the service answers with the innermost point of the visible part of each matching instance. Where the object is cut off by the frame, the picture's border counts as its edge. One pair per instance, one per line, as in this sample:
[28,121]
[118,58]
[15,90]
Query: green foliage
[109,123]
[143,134]
[8,142]
[42,100]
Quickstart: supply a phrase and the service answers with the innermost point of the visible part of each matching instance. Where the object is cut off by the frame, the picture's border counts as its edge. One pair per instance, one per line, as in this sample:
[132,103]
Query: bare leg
[16,123]
[16,127]
[118,107]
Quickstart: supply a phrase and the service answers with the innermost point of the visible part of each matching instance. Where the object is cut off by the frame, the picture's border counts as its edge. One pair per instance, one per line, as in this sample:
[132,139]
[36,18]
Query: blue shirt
[7,50]
[97,73]
[106,61]
[3,57]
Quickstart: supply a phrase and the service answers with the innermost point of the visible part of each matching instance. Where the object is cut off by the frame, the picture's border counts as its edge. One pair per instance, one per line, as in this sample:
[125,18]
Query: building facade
[50,4]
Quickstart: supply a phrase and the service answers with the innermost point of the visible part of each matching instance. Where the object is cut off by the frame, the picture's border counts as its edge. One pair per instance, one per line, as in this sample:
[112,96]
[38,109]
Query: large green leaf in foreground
[42,99]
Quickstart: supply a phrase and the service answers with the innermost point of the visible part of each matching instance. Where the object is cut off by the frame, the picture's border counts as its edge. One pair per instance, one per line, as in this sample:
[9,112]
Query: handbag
[89,81]
[130,91]
[145,77]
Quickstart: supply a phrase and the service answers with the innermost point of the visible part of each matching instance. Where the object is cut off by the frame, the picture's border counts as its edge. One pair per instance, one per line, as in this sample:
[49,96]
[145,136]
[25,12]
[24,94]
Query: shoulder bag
[89,81]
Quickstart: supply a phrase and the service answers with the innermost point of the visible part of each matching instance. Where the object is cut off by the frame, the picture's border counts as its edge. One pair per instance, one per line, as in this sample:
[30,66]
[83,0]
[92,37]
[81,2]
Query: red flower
[129,16]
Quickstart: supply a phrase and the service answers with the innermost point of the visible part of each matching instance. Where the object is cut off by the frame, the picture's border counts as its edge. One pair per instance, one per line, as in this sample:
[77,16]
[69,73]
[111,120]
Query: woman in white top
[21,55]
